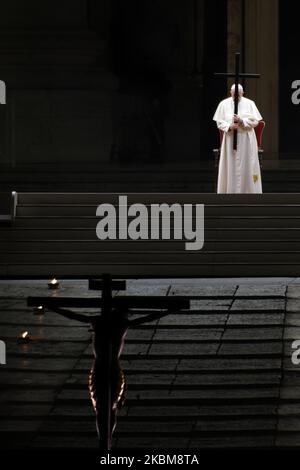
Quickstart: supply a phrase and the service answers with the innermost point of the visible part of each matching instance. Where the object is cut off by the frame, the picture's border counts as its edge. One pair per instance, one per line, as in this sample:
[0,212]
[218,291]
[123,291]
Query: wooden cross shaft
[237,75]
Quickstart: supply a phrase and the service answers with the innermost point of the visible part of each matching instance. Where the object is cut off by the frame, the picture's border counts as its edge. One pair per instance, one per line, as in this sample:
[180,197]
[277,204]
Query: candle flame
[53,283]
[25,335]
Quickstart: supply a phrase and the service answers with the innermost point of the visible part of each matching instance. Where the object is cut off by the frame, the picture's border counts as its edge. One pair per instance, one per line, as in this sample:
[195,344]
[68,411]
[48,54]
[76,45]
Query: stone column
[253,30]
[261,47]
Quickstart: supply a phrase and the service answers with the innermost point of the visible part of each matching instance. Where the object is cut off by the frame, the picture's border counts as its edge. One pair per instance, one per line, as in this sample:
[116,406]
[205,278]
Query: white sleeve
[249,122]
[223,125]
[219,117]
[252,119]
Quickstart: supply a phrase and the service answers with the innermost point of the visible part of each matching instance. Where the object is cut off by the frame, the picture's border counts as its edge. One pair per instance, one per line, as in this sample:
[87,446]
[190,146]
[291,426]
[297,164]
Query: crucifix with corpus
[237,75]
[107,380]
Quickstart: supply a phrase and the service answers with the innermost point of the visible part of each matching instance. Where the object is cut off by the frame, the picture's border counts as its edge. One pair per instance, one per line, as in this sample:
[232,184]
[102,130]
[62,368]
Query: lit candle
[39,310]
[24,337]
[53,284]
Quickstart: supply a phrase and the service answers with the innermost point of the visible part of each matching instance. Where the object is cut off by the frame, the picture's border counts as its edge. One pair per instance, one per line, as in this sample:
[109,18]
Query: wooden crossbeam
[130,301]
[97,284]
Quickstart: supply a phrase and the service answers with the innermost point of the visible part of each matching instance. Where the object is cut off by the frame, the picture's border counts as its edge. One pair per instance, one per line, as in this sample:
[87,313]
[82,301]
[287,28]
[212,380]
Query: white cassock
[239,171]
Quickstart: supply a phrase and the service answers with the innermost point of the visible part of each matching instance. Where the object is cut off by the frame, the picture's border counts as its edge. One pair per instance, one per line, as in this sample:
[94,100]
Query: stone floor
[219,375]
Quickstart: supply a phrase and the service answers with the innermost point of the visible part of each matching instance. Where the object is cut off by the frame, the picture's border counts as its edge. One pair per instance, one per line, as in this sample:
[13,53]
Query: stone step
[76,270]
[67,198]
[214,210]
[177,258]
[124,187]
[94,183]
[90,222]
[87,245]
[82,234]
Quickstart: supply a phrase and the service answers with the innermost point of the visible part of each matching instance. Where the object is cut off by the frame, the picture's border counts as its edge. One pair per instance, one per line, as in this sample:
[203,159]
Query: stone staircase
[54,234]
[218,375]
[138,177]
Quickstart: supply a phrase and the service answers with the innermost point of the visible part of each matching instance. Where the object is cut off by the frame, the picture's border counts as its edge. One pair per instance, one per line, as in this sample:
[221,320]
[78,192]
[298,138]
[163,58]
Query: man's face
[232,92]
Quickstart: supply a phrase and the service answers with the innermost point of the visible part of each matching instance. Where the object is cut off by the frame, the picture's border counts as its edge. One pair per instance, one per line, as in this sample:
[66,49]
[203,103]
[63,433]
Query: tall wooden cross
[106,380]
[237,75]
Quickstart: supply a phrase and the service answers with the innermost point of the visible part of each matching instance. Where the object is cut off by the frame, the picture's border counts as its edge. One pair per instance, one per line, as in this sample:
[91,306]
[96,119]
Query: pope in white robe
[239,171]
